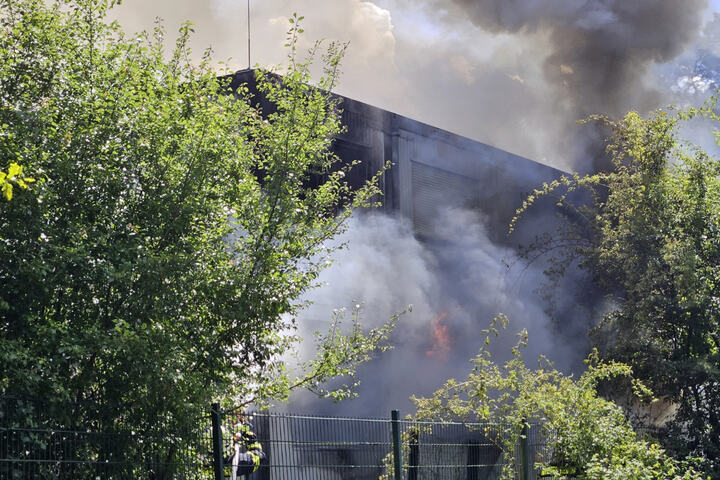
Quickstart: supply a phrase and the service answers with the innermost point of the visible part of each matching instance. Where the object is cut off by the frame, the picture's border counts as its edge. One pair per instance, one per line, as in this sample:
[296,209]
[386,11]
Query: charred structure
[431,168]
[440,243]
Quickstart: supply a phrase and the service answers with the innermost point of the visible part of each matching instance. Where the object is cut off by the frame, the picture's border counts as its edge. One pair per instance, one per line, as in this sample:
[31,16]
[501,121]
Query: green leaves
[158,263]
[340,351]
[647,234]
[587,436]
[13,177]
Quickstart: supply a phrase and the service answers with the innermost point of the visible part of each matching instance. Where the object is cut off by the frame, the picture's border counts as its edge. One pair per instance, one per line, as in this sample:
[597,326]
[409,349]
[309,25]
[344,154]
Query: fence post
[217,441]
[524,450]
[414,456]
[397,451]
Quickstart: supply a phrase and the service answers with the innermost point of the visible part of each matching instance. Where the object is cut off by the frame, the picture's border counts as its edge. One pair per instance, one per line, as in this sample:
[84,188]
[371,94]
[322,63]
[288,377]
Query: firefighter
[247,452]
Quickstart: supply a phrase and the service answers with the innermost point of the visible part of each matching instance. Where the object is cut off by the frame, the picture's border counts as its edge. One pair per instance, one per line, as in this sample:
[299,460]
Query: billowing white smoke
[456,285]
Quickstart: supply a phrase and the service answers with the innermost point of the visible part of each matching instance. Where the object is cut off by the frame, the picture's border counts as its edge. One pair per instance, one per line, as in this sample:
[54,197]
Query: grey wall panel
[374,136]
[434,191]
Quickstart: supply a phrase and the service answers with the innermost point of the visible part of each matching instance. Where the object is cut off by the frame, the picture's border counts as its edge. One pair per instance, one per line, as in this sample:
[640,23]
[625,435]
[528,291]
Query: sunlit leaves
[157,262]
[648,233]
[13,176]
[585,435]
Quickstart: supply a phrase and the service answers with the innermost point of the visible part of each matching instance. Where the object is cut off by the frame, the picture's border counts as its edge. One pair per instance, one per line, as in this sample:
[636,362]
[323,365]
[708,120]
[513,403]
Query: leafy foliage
[649,234]
[339,352]
[587,436]
[13,177]
[157,263]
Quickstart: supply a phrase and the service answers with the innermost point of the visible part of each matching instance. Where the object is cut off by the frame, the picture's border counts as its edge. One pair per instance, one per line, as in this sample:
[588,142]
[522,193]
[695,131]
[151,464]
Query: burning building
[431,168]
[439,242]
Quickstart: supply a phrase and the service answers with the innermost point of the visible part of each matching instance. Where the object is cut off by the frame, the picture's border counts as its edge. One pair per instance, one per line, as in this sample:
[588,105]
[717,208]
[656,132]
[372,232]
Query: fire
[441,342]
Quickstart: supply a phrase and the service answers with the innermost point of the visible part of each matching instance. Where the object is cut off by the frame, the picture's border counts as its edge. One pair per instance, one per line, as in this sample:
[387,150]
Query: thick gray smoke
[510,73]
[599,51]
[456,287]
[514,74]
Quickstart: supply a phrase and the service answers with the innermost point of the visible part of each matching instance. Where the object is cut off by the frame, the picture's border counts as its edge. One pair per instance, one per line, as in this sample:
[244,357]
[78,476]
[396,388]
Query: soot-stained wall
[433,168]
[442,246]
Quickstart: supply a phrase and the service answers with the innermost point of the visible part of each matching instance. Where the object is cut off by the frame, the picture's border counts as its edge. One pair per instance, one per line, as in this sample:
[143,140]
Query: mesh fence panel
[60,454]
[316,447]
[329,448]
[297,447]
[45,452]
[461,451]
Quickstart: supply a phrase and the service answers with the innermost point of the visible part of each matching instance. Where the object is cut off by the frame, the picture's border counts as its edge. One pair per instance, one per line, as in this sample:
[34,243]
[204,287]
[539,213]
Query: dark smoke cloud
[513,74]
[600,51]
[510,73]
[456,286]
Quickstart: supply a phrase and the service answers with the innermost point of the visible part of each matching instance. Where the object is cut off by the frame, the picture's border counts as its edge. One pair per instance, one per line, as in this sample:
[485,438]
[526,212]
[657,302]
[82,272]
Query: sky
[516,74]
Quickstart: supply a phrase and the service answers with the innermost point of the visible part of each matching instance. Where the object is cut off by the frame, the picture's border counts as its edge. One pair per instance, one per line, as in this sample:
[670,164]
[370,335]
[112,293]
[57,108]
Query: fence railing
[34,446]
[329,448]
[307,447]
[46,454]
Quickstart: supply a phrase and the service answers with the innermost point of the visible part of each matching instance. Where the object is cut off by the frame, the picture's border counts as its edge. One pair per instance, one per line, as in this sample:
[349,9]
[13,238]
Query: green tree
[649,235]
[587,437]
[157,262]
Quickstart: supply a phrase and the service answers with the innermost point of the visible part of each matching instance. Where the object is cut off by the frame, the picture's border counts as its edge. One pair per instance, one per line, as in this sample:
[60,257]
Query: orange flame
[441,342]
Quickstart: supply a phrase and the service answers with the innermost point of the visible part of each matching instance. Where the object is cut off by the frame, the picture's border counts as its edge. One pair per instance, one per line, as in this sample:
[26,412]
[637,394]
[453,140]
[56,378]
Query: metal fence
[332,448]
[39,454]
[32,447]
[323,448]
[306,447]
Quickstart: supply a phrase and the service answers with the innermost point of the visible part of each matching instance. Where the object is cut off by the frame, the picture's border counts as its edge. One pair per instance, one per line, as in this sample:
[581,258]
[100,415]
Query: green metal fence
[32,447]
[40,454]
[307,447]
[332,448]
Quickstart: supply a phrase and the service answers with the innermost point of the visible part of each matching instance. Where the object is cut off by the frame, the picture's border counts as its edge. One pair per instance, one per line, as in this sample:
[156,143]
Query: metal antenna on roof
[248,20]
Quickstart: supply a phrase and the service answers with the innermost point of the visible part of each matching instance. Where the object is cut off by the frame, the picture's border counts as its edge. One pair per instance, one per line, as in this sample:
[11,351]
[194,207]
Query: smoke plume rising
[599,53]
[456,288]
[513,74]
[510,73]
